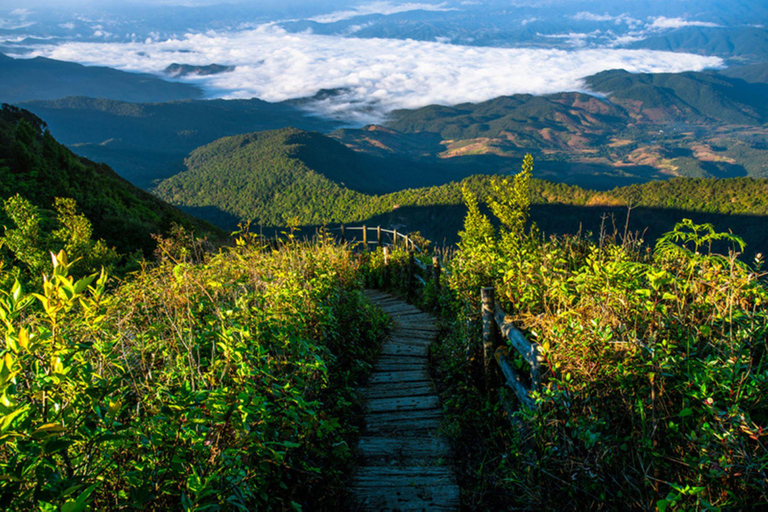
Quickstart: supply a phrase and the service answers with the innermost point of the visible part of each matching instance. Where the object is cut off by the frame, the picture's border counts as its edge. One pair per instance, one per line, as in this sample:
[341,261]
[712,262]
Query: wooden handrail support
[531,352]
[409,243]
[514,379]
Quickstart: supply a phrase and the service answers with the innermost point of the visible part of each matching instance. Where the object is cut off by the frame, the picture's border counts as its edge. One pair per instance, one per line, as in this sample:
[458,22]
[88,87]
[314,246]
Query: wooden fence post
[436,273]
[411,272]
[365,238]
[487,295]
[386,266]
[343,238]
[378,235]
[394,238]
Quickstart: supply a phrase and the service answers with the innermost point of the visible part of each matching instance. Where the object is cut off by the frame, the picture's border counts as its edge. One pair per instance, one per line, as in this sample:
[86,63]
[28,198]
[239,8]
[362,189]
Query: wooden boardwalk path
[404,465]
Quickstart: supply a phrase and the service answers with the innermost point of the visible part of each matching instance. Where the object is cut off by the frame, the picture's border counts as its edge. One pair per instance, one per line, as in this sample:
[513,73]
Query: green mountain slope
[739,44]
[35,165]
[259,177]
[147,142]
[265,177]
[684,97]
[47,79]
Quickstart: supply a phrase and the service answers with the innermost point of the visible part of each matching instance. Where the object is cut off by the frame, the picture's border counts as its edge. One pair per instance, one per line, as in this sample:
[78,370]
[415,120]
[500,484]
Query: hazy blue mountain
[742,44]
[46,79]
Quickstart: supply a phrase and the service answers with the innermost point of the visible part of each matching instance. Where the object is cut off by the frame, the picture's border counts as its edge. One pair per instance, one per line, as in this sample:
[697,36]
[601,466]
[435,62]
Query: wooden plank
[403,349]
[416,341]
[514,379]
[398,366]
[437,499]
[412,450]
[405,323]
[405,403]
[395,389]
[409,422]
[412,375]
[518,340]
[374,474]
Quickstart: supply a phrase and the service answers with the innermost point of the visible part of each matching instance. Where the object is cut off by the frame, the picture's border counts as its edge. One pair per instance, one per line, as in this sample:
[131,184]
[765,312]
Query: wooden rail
[494,316]
[432,272]
[396,238]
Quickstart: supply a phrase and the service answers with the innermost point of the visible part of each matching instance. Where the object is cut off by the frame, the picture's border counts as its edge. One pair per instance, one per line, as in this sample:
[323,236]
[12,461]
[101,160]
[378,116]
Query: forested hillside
[34,166]
[267,178]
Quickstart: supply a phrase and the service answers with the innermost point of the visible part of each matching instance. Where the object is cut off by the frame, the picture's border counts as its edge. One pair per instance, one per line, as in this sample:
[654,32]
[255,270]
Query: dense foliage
[221,384]
[656,368]
[39,169]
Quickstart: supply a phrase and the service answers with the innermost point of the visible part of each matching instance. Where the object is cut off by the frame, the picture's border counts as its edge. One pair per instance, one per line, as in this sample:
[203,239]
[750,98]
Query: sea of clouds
[372,76]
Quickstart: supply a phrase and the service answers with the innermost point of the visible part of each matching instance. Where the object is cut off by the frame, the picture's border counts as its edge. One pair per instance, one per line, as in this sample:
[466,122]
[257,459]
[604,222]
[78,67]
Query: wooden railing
[396,239]
[493,316]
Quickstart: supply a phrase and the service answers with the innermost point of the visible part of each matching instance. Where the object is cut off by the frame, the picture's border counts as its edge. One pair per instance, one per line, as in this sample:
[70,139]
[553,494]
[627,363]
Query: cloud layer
[371,76]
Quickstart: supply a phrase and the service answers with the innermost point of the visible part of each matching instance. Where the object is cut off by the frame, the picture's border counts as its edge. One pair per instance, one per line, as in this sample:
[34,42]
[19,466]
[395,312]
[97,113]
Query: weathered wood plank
[396,389]
[406,403]
[424,497]
[402,349]
[388,360]
[404,449]
[416,326]
[399,339]
[410,375]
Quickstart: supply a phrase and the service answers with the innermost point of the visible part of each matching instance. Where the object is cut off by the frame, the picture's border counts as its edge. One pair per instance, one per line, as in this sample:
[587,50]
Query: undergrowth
[204,382]
[655,371]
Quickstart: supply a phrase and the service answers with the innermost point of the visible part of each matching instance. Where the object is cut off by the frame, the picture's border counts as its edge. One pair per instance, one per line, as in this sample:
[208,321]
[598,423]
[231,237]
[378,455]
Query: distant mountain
[692,98]
[745,44]
[753,73]
[34,165]
[46,79]
[639,127]
[180,70]
[147,142]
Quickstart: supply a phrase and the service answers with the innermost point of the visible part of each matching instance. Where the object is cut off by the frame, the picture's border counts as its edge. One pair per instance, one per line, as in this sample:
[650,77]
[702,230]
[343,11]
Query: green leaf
[80,503]
[5,423]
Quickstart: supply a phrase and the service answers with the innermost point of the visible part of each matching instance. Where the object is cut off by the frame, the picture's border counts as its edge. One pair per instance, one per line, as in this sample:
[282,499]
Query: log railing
[389,239]
[493,316]
[396,239]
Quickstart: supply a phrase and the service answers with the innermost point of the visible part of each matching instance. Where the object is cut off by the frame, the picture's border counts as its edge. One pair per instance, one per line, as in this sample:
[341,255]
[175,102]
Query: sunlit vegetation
[656,367]
[202,382]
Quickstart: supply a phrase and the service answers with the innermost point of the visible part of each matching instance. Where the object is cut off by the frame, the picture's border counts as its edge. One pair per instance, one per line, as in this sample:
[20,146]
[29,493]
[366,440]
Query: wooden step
[404,403]
[396,389]
[403,451]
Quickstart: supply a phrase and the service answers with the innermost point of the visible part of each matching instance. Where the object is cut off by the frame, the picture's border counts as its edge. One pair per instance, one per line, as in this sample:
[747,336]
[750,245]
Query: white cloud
[375,75]
[588,16]
[68,26]
[21,13]
[663,22]
[385,8]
